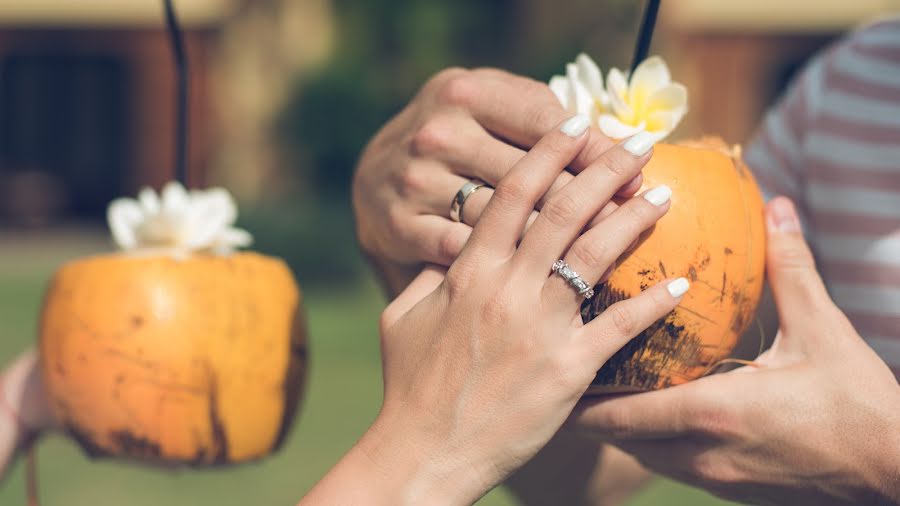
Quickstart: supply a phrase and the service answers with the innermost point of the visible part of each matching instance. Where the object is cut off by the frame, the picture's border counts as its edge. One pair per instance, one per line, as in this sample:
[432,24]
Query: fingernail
[576,125]
[639,143]
[659,195]
[678,287]
[783,216]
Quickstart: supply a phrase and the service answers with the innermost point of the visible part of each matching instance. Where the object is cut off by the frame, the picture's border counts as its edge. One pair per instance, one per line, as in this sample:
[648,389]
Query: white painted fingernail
[576,125]
[659,195]
[678,287]
[639,143]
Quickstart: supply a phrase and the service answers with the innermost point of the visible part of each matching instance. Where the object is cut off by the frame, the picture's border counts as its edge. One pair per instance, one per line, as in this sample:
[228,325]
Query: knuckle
[459,276]
[435,136]
[545,116]
[511,192]
[590,253]
[714,470]
[459,90]
[621,166]
[622,319]
[498,309]
[561,210]
[793,259]
[413,181]
[450,245]
[449,73]
[566,375]
[617,423]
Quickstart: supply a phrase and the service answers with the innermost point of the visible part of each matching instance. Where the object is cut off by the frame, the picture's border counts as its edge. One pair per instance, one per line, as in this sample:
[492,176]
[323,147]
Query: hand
[816,421]
[463,124]
[483,365]
[24,408]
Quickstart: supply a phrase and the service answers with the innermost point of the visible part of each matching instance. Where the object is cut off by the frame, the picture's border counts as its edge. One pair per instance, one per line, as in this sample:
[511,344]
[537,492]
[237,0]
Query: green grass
[342,397]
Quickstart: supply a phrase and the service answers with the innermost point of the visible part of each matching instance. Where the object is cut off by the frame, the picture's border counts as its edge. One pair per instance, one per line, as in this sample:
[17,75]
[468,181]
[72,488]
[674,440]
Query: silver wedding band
[572,277]
[456,208]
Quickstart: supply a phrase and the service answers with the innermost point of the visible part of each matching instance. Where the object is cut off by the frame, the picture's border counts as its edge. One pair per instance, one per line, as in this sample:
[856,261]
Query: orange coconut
[713,235]
[197,361]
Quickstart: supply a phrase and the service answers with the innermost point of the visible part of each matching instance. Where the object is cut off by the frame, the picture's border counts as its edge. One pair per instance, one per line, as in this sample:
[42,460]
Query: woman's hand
[463,124]
[817,421]
[483,365]
[24,408]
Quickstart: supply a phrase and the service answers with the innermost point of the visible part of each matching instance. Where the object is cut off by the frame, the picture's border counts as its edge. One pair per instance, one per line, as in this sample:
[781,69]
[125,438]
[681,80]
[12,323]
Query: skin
[484,364]
[814,421]
[462,124]
[476,124]
[25,412]
[745,435]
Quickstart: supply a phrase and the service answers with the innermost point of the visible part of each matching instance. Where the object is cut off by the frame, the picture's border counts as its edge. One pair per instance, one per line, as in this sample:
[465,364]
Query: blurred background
[284,96]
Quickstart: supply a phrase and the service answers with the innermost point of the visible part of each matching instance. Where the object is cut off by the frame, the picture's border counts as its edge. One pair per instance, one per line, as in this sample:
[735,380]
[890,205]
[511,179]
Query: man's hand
[816,421]
[463,124]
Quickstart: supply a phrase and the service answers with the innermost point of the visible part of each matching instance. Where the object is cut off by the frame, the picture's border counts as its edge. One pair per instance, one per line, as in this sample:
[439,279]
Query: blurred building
[737,57]
[87,96]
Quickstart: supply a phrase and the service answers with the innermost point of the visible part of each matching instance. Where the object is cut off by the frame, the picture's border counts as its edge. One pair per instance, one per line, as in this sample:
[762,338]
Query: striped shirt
[833,145]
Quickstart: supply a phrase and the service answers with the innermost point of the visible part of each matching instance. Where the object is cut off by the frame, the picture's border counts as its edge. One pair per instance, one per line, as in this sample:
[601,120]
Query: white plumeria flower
[581,89]
[178,221]
[649,101]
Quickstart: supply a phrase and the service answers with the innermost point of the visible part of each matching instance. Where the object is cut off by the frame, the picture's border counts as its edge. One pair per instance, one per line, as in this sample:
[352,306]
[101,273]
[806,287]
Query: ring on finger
[459,200]
[581,286]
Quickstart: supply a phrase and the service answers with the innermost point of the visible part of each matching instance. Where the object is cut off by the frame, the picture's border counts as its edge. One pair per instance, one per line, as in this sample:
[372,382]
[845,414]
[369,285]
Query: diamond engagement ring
[572,277]
[456,208]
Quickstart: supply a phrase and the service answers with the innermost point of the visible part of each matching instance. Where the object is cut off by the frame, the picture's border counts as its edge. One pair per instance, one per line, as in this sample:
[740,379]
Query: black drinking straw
[181,109]
[642,46]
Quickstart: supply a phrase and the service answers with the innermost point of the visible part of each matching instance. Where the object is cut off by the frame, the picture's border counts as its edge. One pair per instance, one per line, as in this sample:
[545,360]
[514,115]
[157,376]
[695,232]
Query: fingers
[513,200]
[795,283]
[567,212]
[620,322]
[596,250]
[666,413]
[436,239]
[428,186]
[519,109]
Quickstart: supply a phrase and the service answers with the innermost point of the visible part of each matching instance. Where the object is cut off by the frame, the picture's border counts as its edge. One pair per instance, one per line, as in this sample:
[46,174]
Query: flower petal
[612,127]
[617,87]
[149,201]
[175,199]
[589,74]
[651,75]
[124,217]
[672,96]
[583,101]
[559,85]
[231,239]
[665,120]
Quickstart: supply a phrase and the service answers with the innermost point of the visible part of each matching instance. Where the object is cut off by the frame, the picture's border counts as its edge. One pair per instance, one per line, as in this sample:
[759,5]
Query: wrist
[415,465]
[883,478]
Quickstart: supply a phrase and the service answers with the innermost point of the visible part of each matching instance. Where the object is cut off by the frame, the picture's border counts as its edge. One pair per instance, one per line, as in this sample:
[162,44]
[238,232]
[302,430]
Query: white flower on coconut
[647,102]
[177,221]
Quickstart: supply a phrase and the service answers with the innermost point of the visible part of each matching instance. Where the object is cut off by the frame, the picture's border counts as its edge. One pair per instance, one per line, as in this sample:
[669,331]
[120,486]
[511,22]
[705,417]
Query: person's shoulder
[882,34]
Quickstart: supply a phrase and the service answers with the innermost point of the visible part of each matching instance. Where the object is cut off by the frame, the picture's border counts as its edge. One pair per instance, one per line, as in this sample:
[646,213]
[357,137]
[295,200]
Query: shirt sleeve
[775,153]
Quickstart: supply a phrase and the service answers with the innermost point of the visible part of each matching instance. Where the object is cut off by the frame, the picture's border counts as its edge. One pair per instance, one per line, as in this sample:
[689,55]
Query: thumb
[796,285]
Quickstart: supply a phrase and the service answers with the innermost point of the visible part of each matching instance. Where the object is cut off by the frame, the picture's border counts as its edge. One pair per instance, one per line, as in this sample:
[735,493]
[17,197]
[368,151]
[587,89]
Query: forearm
[881,482]
[576,470]
[392,465]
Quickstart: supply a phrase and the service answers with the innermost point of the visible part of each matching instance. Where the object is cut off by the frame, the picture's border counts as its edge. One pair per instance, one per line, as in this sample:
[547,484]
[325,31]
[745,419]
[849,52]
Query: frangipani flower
[177,221]
[581,89]
[649,101]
